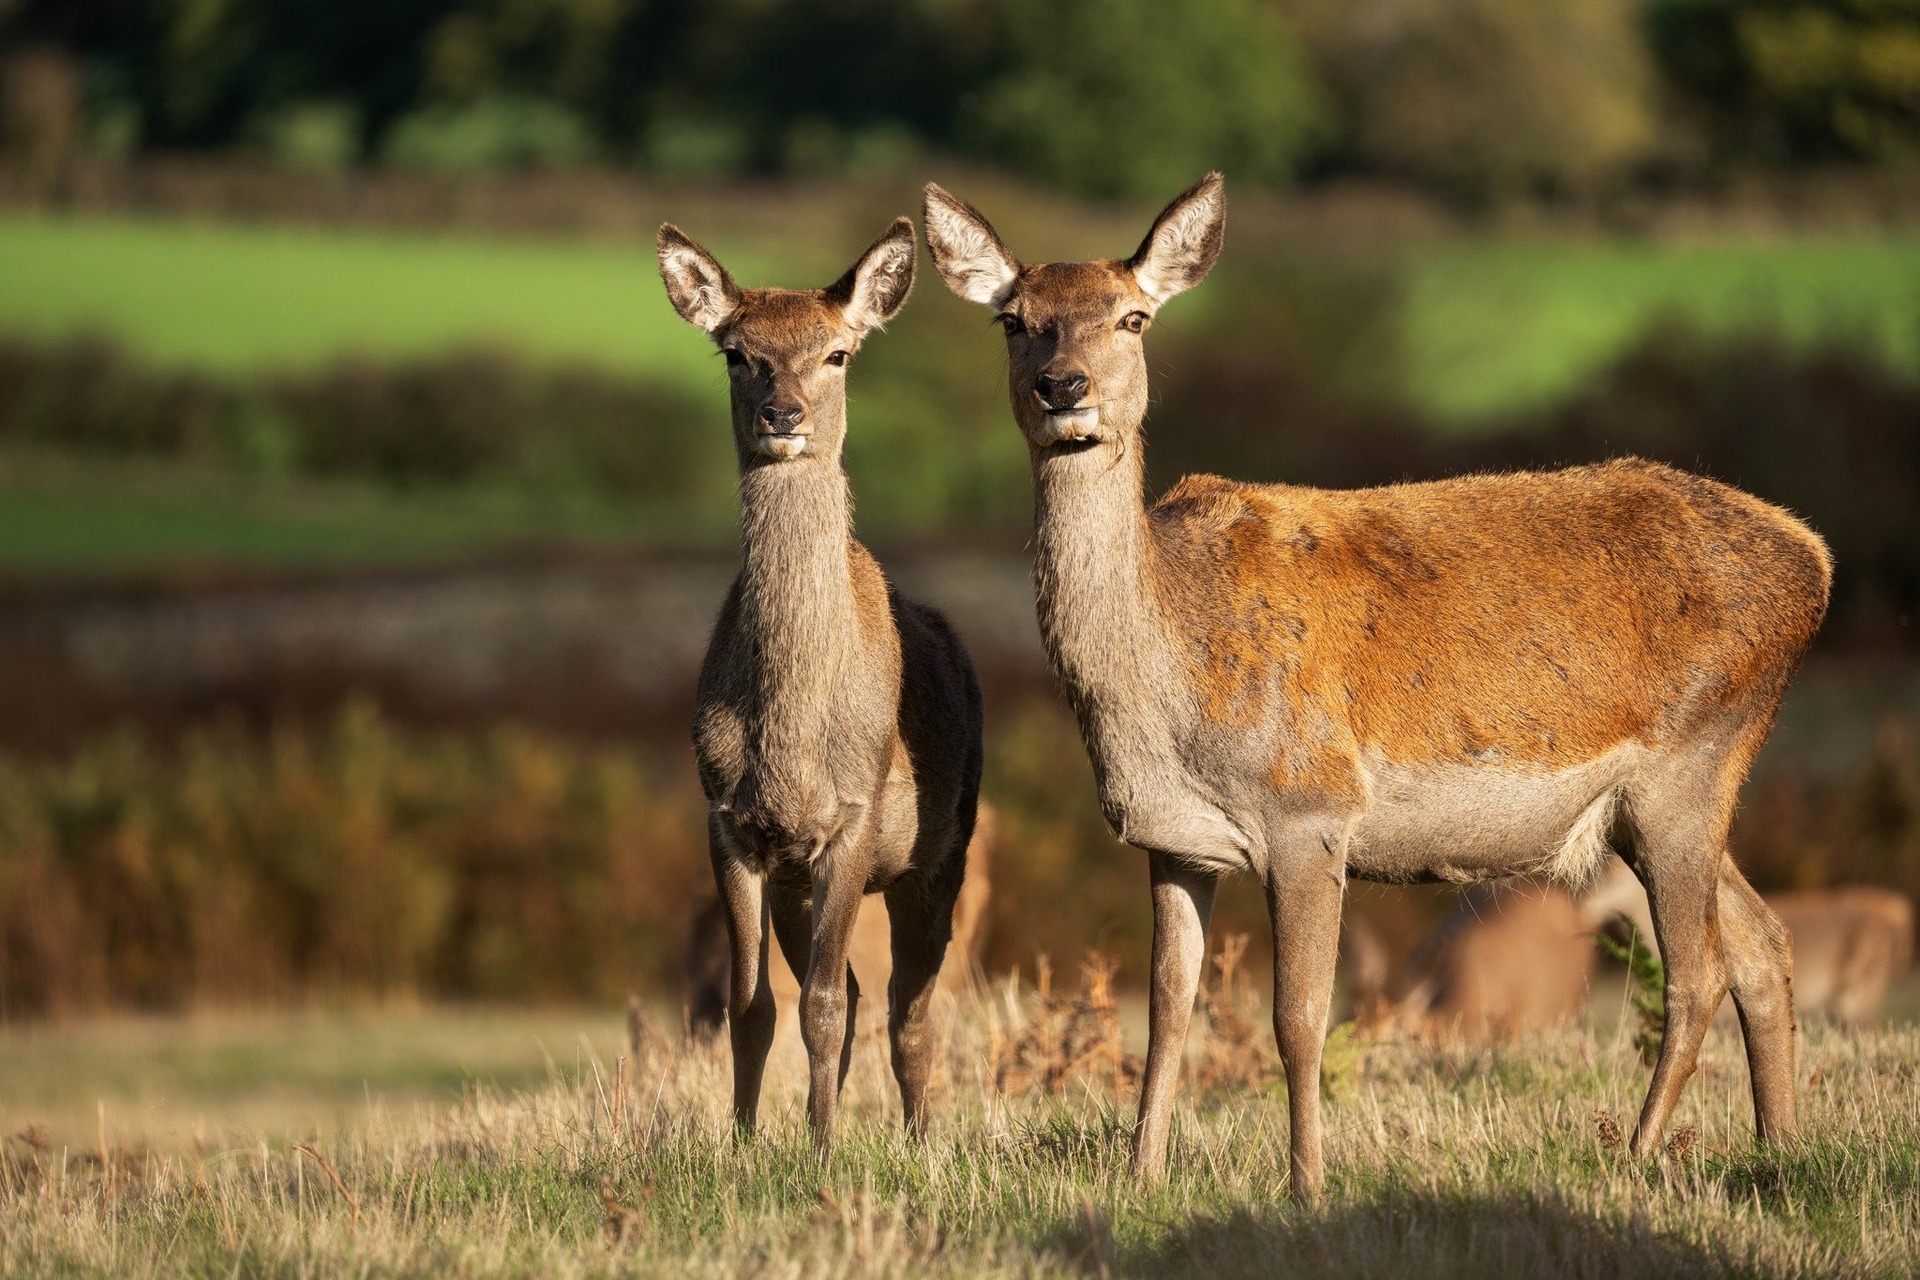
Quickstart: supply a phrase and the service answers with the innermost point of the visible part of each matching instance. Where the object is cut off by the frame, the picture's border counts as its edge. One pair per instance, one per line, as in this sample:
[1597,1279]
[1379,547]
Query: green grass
[236,298]
[1497,327]
[1490,326]
[1441,1162]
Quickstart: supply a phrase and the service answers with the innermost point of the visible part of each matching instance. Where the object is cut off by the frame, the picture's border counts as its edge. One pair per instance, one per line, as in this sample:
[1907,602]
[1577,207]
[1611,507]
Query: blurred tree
[40,115]
[1797,79]
[724,81]
[1140,97]
[1487,96]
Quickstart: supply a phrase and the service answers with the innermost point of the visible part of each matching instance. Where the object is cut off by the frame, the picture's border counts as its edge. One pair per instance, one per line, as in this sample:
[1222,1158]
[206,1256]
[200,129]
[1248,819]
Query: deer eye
[734,358]
[838,359]
[1134,321]
[1011,323]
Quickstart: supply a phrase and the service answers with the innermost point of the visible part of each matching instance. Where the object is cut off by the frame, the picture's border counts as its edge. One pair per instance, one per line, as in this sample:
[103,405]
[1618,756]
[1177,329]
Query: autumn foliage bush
[356,859]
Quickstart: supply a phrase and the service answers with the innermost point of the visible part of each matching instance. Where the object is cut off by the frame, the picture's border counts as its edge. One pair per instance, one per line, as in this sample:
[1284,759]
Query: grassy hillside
[1496,327]
[1486,326]
[236,298]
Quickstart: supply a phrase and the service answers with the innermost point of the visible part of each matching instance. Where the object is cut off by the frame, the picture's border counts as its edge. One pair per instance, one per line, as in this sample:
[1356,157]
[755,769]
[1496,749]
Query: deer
[708,959]
[1849,944]
[837,725]
[1458,680]
[1506,959]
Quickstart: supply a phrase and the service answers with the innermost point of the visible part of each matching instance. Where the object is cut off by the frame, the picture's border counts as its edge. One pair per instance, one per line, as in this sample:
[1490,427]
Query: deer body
[836,724]
[1377,660]
[1457,681]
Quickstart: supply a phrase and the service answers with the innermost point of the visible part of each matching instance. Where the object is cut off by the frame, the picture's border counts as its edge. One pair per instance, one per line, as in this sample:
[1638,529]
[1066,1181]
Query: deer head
[787,349]
[1076,364]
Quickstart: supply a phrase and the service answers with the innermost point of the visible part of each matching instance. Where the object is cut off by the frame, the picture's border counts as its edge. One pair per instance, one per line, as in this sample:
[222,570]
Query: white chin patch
[783,446]
[1069,424]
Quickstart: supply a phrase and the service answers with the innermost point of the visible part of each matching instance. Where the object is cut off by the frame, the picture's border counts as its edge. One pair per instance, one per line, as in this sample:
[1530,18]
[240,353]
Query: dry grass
[1448,1162]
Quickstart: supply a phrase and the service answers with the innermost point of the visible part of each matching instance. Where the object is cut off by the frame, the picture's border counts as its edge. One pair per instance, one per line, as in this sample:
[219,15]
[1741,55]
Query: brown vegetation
[220,864]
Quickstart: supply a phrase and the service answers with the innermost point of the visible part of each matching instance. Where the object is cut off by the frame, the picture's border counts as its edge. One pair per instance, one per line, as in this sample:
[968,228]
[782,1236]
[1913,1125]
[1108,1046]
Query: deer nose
[1062,391]
[781,418]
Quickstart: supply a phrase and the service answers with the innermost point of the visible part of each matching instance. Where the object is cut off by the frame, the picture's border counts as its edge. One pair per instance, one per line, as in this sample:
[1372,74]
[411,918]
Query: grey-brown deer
[836,725]
[1455,681]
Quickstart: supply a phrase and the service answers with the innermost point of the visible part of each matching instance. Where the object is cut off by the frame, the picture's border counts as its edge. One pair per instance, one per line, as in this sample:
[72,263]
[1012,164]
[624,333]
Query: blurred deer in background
[836,725]
[1848,947]
[1849,943]
[870,953]
[1456,681]
[1507,959]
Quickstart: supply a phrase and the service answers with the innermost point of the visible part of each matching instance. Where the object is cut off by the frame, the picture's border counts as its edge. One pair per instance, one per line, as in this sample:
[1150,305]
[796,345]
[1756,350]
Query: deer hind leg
[1759,957]
[1679,841]
[1182,906]
[750,1012]
[1304,898]
[920,916]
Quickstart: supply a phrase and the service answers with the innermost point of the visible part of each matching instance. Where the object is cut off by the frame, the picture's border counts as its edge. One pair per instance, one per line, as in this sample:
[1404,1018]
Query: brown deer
[1507,959]
[1849,945]
[837,725]
[870,952]
[1457,681]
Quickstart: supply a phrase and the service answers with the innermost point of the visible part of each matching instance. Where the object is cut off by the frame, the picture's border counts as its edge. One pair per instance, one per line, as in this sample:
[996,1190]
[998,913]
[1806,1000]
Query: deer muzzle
[1069,426]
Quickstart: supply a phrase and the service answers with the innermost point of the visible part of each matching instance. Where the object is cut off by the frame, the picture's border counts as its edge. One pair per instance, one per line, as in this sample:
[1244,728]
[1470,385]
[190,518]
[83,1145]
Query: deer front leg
[828,993]
[1182,906]
[1303,897]
[750,1012]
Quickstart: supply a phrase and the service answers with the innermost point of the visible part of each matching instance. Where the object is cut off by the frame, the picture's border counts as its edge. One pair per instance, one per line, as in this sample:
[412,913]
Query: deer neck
[797,610]
[1098,597]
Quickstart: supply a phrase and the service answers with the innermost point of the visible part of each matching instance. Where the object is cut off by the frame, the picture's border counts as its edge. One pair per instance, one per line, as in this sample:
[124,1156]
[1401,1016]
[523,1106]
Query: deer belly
[1462,823]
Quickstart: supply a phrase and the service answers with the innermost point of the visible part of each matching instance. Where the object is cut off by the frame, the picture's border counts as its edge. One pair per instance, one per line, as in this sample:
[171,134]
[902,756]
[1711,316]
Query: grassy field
[1502,326]
[167,1083]
[1489,326]
[236,298]
[1442,1162]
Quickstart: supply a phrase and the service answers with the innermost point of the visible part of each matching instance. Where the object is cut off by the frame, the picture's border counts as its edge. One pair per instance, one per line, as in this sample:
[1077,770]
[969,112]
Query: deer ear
[969,255]
[1185,241]
[875,288]
[700,288]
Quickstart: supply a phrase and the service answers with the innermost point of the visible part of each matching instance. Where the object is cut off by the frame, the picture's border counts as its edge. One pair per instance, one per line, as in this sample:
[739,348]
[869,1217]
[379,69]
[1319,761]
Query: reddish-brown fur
[1476,571]
[1460,680]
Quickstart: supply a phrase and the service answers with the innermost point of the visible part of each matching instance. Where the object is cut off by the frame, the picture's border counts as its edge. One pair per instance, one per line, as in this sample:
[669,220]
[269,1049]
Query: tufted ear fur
[1185,241]
[875,288]
[700,288]
[969,256]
